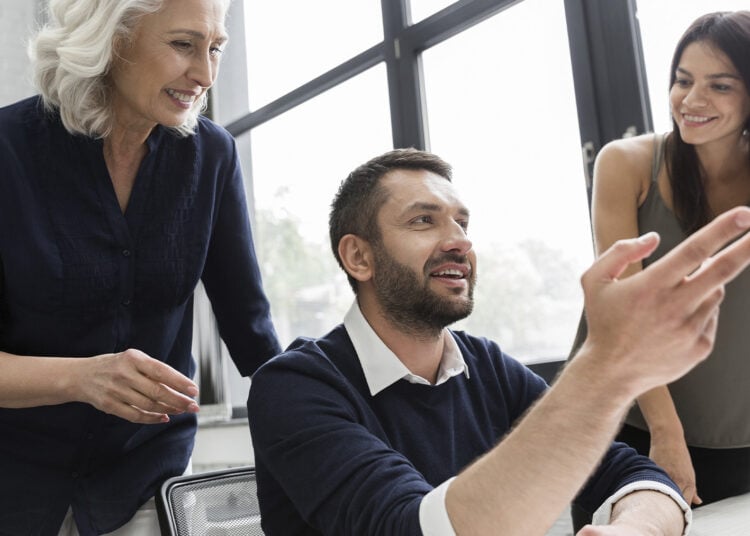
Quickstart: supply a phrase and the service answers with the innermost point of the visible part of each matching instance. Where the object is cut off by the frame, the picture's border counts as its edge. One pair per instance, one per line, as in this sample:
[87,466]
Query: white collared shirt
[383,368]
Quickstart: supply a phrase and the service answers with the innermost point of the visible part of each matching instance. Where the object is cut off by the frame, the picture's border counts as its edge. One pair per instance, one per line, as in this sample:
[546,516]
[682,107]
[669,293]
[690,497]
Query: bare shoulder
[627,162]
[633,154]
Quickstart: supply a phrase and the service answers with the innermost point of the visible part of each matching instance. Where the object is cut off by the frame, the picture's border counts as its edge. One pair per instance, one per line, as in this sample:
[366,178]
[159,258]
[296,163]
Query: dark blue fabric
[79,278]
[332,459]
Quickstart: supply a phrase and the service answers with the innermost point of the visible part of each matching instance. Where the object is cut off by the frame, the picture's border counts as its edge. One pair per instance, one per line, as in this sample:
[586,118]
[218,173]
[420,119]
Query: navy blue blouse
[80,278]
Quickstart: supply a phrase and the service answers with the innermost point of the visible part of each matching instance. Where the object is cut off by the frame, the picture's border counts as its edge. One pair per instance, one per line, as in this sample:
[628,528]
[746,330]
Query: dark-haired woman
[697,428]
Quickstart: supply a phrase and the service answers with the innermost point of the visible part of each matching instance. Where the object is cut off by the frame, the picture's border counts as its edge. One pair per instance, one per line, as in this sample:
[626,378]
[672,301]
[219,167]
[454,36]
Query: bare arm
[679,297]
[524,483]
[619,189]
[130,384]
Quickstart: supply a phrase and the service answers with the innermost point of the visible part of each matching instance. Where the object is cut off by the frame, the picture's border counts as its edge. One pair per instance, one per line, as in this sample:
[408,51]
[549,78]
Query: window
[508,124]
[299,159]
[454,81]
[421,9]
[489,91]
[481,103]
[290,43]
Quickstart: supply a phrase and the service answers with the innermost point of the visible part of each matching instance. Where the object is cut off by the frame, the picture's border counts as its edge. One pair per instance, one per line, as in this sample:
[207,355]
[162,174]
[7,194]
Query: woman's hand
[133,386]
[671,454]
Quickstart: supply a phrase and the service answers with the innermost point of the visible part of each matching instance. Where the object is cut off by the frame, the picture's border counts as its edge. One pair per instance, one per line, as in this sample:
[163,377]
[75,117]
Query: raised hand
[654,326]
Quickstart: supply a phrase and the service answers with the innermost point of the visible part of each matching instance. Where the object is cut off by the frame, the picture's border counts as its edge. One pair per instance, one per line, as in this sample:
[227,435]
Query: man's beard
[413,306]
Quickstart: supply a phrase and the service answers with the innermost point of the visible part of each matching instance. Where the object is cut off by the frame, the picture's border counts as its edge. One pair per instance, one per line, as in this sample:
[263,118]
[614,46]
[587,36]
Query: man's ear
[356,256]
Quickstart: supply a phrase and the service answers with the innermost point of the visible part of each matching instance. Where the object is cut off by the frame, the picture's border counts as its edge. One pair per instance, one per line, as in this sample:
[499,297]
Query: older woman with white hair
[116,198]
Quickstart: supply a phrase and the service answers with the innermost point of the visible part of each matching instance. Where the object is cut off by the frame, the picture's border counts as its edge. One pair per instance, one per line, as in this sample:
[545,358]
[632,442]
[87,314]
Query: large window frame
[605,46]
[608,72]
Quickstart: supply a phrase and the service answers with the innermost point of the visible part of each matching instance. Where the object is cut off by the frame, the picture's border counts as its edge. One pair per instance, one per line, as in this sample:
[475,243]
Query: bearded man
[394,424]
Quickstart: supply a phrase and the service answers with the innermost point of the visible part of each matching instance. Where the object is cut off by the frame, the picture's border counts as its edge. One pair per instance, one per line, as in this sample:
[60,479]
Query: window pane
[508,124]
[421,9]
[662,24]
[290,43]
[299,160]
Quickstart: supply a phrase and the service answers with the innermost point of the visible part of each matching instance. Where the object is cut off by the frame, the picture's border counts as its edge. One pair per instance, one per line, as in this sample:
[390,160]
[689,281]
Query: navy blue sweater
[332,459]
[80,278]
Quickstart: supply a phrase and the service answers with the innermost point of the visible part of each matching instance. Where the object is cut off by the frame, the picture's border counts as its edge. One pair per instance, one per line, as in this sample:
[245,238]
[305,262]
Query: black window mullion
[307,91]
[405,81]
[452,20]
[404,44]
[608,73]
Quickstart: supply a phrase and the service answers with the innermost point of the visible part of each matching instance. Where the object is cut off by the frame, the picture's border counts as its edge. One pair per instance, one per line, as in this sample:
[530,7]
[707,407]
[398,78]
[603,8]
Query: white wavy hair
[72,55]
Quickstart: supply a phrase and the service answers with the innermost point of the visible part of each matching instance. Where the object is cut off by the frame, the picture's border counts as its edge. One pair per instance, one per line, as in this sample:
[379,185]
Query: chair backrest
[215,503]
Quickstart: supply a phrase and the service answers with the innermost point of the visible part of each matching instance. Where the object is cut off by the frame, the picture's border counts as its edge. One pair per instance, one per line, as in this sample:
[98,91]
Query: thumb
[623,253]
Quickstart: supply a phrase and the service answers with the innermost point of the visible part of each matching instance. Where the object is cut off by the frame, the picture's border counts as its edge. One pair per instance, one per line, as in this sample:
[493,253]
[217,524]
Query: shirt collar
[383,368]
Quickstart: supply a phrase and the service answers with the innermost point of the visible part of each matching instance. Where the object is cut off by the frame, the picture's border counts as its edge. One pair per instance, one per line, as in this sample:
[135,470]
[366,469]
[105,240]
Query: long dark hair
[728,31]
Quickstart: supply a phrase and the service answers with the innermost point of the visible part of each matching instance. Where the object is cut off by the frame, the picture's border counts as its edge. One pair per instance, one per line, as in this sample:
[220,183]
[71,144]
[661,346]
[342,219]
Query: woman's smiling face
[709,99]
[172,60]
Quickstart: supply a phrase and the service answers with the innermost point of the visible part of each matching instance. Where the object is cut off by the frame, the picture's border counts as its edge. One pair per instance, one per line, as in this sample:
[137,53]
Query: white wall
[222,445]
[17,22]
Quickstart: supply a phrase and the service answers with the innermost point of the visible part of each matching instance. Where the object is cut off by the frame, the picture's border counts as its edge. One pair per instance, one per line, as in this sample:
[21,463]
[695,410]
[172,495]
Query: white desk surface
[728,517]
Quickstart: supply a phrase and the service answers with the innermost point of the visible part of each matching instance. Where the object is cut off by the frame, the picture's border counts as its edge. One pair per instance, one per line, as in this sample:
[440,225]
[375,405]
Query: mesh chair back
[216,503]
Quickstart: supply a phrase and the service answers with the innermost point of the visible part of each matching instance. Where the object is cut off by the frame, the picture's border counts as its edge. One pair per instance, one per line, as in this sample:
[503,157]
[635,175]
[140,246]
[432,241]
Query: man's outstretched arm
[646,330]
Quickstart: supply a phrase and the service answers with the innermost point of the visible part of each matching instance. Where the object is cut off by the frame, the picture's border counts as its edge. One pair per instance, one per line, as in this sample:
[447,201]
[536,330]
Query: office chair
[215,503]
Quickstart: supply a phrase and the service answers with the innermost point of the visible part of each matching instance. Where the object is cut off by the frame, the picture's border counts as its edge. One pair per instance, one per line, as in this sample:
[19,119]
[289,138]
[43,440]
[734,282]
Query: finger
[154,396]
[166,375]
[622,254]
[192,405]
[161,384]
[171,410]
[722,267]
[137,415]
[690,254]
[143,389]
[127,402]
[705,332]
[689,495]
[707,313]
[154,402]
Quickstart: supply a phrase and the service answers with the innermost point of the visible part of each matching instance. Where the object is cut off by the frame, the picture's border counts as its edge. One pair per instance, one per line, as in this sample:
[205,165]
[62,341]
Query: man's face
[424,270]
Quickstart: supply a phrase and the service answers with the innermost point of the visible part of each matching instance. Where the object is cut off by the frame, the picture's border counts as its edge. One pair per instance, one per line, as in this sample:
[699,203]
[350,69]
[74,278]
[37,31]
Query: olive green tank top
[713,399]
